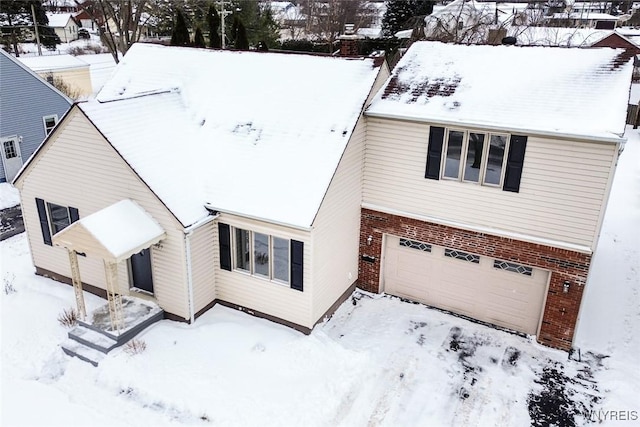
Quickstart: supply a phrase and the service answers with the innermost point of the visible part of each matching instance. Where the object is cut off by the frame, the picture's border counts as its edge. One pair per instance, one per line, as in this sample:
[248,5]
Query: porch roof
[113,233]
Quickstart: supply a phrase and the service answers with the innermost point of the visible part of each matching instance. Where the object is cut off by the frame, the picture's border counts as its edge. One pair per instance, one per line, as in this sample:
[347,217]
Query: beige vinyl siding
[336,229]
[78,168]
[78,79]
[260,294]
[203,240]
[564,185]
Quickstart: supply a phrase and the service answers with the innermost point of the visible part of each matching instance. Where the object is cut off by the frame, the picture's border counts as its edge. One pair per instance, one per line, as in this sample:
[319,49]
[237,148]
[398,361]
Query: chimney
[349,41]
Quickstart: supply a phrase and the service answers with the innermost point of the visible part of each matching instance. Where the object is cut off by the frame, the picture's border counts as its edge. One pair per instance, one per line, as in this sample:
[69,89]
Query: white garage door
[503,293]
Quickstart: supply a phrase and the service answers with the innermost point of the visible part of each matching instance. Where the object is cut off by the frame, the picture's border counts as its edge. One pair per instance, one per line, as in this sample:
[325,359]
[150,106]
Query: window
[451,253]
[58,217]
[414,244]
[9,147]
[475,157]
[49,123]
[262,255]
[511,266]
[484,158]
[54,218]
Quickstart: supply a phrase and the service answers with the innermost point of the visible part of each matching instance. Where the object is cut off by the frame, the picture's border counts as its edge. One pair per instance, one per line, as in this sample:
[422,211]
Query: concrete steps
[91,342]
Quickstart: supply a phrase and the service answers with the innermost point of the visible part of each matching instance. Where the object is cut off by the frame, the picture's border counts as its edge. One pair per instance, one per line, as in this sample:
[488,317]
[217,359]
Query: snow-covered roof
[52,62]
[59,19]
[114,233]
[585,16]
[557,36]
[259,134]
[575,92]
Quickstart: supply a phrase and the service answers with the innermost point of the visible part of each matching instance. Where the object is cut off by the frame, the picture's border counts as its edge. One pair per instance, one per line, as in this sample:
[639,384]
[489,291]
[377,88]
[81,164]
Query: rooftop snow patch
[52,62]
[576,92]
[259,134]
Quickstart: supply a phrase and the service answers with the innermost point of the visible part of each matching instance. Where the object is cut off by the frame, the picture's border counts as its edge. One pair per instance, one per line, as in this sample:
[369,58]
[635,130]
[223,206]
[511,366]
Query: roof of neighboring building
[574,92]
[557,36]
[259,134]
[59,19]
[52,62]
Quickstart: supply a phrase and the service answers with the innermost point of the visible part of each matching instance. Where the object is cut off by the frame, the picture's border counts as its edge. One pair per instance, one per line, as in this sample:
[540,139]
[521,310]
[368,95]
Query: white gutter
[484,230]
[490,127]
[187,249]
[257,218]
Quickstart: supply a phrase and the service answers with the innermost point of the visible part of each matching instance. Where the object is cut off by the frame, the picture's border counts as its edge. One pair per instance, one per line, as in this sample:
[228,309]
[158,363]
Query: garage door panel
[479,290]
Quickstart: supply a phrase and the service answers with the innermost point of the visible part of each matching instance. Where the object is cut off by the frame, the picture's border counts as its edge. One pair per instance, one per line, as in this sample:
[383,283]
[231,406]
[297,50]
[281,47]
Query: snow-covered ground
[377,361]
[9,196]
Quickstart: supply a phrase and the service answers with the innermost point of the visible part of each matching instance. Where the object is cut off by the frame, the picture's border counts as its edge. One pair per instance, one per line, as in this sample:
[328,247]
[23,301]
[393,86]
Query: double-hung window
[49,123]
[54,218]
[262,255]
[475,157]
[486,158]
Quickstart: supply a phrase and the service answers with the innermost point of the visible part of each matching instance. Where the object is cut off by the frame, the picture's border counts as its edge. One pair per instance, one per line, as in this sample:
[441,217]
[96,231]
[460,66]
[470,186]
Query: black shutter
[44,223]
[73,215]
[224,237]
[434,152]
[297,264]
[515,160]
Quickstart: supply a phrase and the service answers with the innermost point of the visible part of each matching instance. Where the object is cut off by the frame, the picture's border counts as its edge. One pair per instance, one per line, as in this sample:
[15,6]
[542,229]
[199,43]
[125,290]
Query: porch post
[77,284]
[113,297]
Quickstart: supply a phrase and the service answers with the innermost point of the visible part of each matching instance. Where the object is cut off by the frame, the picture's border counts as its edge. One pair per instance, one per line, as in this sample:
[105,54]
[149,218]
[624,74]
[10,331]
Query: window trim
[251,263]
[482,173]
[46,222]
[44,122]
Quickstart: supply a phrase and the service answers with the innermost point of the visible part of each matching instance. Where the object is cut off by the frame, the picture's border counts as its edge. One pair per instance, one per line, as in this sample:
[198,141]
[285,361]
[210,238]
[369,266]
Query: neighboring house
[249,184]
[64,25]
[69,69]
[84,19]
[484,192]
[596,20]
[29,109]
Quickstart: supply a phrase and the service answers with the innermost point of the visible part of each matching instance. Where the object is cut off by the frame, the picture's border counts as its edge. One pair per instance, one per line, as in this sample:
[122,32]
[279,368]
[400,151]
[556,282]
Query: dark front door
[141,271]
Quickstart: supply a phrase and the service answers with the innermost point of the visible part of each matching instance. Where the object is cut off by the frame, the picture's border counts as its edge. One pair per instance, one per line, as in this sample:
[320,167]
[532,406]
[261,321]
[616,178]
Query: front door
[141,277]
[11,157]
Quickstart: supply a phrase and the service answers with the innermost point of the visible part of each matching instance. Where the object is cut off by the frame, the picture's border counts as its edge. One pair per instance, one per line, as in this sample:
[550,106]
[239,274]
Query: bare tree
[326,19]
[120,22]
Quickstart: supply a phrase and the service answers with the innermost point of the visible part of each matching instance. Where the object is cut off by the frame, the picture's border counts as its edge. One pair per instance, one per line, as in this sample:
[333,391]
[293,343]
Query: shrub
[135,346]
[7,282]
[68,318]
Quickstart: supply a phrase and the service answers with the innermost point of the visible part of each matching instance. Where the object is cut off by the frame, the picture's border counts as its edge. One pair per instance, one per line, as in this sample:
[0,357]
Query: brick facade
[561,309]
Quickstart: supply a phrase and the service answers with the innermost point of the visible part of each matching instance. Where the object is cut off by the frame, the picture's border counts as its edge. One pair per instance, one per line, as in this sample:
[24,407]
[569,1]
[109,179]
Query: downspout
[187,249]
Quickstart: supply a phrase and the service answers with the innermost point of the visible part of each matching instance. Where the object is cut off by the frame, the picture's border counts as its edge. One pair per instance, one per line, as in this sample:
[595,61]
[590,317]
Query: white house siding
[262,295]
[203,240]
[79,168]
[336,228]
[563,188]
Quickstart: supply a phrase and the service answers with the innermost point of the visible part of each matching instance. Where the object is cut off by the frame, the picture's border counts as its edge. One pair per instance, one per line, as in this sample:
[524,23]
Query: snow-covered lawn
[377,361]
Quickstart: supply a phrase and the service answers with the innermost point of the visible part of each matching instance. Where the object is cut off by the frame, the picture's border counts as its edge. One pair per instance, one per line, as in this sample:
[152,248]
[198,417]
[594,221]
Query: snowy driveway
[377,361]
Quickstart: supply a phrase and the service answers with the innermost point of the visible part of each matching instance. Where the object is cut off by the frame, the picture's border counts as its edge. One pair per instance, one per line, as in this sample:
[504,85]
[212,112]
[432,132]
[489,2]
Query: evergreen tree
[241,42]
[198,40]
[213,24]
[180,35]
[16,18]
[399,13]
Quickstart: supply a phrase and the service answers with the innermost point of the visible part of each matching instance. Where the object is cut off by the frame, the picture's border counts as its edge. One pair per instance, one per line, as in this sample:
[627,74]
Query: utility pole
[35,25]
[222,14]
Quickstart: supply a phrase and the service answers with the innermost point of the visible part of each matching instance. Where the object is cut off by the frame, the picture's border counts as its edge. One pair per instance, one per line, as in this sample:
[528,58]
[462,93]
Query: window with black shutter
[224,238]
[434,152]
[297,265]
[515,162]
[54,218]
